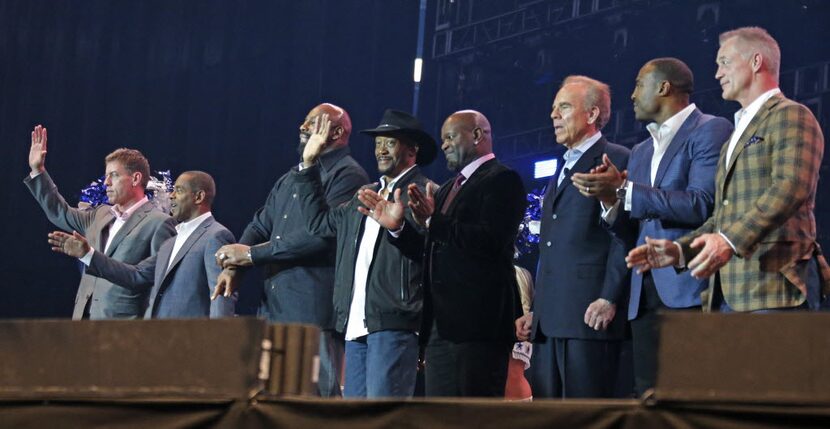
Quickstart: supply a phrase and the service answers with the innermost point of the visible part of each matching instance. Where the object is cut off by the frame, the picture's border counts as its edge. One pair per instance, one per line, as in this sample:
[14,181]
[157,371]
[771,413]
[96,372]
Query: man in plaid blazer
[761,239]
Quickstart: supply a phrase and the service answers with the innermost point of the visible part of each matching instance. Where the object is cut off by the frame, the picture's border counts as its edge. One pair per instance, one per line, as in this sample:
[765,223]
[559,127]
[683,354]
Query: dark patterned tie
[456,186]
[564,177]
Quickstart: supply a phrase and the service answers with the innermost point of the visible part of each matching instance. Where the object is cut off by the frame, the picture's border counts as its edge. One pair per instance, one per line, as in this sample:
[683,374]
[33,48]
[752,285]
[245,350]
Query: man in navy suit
[669,192]
[182,275]
[581,278]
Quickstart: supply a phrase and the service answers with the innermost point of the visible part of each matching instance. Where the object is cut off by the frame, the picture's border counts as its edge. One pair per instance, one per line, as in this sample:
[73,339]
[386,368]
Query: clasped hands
[390,214]
[601,182]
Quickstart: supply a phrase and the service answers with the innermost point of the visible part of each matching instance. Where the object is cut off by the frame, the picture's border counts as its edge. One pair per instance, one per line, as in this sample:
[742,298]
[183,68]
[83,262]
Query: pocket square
[753,140]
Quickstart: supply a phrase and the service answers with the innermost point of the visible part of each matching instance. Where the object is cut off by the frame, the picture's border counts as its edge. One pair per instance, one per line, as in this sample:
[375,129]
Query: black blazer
[470,283]
[579,261]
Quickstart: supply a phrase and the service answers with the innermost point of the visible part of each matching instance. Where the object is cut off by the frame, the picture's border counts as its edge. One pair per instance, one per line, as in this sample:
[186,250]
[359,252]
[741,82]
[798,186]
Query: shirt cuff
[681,260]
[628,192]
[734,250]
[33,175]
[87,259]
[609,214]
[397,233]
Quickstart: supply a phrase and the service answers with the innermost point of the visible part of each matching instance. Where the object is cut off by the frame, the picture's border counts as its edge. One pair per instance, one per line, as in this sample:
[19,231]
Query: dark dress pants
[466,369]
[574,368]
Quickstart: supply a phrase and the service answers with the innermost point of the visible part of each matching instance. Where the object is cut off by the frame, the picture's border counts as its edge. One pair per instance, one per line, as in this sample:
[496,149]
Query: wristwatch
[248,254]
[622,190]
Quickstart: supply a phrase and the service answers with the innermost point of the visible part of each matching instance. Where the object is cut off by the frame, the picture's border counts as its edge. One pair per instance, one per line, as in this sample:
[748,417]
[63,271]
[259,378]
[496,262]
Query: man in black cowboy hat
[377,291]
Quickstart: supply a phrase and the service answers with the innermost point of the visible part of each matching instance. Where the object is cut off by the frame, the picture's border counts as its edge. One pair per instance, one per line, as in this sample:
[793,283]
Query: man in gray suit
[183,273]
[128,231]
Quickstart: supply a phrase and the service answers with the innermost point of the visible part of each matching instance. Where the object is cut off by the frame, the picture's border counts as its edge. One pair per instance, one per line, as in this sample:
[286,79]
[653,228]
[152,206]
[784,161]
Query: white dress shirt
[742,119]
[661,137]
[356,324]
[183,231]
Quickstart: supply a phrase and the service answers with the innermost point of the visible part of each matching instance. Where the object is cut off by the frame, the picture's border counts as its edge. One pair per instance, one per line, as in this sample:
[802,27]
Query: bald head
[465,136]
[339,132]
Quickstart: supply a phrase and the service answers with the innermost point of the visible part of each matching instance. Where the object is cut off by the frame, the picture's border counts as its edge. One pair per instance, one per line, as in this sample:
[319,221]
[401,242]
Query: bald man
[299,267]
[471,297]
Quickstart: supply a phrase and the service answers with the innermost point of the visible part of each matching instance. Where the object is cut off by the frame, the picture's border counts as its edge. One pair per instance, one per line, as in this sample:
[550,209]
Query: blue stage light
[545,168]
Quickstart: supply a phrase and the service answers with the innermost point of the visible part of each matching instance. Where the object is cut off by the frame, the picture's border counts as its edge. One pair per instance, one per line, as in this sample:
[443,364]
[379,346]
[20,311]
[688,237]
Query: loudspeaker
[220,359]
[294,366]
[744,358]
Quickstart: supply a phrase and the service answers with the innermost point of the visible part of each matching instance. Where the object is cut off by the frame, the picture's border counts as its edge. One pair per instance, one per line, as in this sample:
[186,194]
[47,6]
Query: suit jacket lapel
[676,143]
[470,182]
[194,237]
[162,261]
[105,223]
[750,130]
[131,223]
[643,156]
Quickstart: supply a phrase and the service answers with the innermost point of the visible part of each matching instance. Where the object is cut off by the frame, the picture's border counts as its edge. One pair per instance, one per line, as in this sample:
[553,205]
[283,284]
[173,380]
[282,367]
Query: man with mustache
[377,291]
[670,190]
[129,230]
[471,297]
[759,246]
[182,275]
[299,267]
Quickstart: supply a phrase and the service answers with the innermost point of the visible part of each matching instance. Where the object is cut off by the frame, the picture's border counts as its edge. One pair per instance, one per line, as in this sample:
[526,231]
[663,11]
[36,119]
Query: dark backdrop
[222,86]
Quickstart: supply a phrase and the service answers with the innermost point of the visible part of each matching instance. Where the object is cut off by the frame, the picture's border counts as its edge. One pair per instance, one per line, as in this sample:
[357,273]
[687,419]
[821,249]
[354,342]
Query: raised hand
[74,244]
[226,284]
[389,214]
[422,206]
[37,152]
[317,141]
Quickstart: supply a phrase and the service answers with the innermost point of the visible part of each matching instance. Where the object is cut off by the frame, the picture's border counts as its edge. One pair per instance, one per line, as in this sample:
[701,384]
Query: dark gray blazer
[184,290]
[140,237]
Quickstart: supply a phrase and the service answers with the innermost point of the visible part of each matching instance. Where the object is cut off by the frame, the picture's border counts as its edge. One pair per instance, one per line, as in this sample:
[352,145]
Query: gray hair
[598,95]
[759,40]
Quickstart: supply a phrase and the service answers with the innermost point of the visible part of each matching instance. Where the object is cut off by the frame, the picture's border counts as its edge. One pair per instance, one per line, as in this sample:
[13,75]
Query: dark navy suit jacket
[579,260]
[680,200]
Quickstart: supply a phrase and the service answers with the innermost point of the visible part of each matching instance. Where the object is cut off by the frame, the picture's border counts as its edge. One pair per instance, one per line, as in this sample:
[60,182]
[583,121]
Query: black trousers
[574,368]
[466,369]
[645,333]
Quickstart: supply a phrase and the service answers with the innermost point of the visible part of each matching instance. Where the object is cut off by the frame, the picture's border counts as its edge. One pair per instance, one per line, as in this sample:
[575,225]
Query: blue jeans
[382,364]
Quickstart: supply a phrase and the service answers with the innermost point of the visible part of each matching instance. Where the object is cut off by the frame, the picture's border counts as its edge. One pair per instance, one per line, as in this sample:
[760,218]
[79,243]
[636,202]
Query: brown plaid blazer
[764,201]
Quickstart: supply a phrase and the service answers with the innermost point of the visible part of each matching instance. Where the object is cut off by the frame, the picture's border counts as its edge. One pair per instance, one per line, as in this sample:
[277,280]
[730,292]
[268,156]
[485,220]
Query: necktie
[453,192]
[566,173]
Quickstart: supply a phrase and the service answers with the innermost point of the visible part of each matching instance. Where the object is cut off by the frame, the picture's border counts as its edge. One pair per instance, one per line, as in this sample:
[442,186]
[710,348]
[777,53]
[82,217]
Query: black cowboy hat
[398,124]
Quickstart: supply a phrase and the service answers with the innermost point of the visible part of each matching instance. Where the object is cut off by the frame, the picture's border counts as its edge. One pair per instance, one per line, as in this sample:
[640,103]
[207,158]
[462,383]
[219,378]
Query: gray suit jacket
[140,237]
[184,290]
